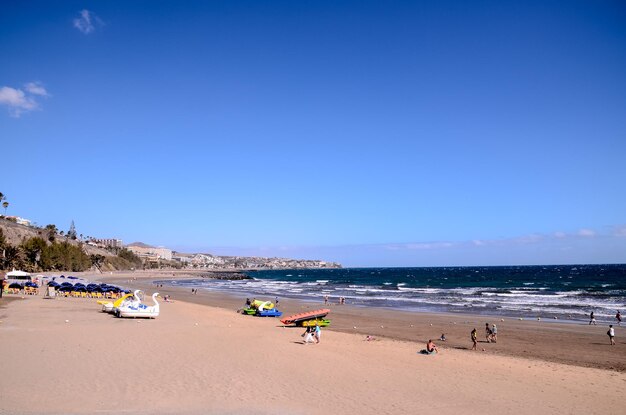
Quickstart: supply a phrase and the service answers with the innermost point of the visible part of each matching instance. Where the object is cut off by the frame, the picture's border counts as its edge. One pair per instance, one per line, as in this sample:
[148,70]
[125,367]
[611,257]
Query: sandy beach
[200,356]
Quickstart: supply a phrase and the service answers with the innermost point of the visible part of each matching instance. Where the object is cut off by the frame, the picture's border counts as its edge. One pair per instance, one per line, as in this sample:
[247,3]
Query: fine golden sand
[65,356]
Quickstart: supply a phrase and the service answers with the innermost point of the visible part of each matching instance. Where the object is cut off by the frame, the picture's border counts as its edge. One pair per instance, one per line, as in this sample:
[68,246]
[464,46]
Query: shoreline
[575,344]
[201,357]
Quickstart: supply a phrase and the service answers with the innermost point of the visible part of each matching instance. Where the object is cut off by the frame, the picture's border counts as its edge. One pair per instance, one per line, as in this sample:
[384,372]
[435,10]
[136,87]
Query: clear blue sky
[370,133]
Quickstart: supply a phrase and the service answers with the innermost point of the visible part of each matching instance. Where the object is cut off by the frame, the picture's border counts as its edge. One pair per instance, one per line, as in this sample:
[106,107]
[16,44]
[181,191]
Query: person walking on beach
[611,334]
[308,335]
[494,333]
[276,302]
[618,317]
[474,336]
[488,332]
[318,333]
[592,319]
[325,299]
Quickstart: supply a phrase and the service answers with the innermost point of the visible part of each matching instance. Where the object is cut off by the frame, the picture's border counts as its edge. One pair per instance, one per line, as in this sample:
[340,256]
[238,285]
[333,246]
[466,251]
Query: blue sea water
[568,292]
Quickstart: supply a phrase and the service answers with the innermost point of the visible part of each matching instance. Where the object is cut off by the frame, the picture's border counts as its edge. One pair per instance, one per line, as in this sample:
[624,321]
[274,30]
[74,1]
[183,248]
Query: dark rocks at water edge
[230,276]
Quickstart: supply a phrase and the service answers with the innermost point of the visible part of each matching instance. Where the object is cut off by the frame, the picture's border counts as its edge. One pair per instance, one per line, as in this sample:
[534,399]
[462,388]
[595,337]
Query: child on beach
[494,333]
[488,332]
[618,317]
[474,337]
[443,337]
[611,334]
[318,333]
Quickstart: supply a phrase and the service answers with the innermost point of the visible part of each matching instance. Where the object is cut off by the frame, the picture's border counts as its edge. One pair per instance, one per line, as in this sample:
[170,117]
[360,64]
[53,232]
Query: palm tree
[5,205]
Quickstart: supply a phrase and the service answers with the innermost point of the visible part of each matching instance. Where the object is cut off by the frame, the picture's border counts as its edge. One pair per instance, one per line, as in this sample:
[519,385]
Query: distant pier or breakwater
[226,275]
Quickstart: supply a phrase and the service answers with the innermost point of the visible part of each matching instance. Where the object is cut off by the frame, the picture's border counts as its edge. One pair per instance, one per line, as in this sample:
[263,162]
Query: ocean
[564,292]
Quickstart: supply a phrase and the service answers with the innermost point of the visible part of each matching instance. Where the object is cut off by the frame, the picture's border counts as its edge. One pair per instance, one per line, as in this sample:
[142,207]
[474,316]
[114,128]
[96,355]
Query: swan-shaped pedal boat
[134,310]
[110,306]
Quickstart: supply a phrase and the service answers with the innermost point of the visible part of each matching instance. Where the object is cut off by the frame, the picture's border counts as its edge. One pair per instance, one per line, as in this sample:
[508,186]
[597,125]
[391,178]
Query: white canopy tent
[17,275]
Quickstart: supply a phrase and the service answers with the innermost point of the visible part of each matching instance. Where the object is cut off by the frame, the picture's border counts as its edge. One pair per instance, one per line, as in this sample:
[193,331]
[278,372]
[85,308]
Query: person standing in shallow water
[474,336]
[618,317]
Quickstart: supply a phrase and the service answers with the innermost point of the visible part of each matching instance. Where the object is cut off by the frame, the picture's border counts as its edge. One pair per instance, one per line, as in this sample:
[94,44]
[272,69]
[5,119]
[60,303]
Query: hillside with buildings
[156,255]
[28,246]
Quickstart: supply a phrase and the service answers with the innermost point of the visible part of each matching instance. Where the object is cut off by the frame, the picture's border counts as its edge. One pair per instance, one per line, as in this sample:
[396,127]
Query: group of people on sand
[491,334]
[592,318]
[611,331]
[341,300]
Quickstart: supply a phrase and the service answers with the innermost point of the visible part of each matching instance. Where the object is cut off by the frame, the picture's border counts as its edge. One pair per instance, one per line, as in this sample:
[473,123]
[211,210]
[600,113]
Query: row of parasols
[69,287]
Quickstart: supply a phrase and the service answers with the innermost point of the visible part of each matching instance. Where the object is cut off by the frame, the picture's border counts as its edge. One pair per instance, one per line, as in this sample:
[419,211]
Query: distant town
[18,229]
[155,255]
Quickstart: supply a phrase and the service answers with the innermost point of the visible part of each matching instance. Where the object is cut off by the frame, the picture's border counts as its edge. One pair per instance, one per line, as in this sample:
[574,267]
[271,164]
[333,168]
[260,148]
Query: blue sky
[369,133]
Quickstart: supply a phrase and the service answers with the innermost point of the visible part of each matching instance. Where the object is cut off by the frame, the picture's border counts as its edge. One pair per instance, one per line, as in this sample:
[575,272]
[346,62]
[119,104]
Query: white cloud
[36,88]
[19,102]
[16,100]
[619,230]
[85,21]
[586,232]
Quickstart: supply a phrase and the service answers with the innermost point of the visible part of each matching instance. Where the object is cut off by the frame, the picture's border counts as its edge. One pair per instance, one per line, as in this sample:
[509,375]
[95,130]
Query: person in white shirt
[611,334]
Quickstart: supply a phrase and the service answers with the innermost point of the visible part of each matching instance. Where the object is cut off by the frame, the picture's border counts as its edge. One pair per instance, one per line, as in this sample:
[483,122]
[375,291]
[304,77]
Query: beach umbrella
[66,288]
[53,284]
[67,284]
[31,284]
[16,285]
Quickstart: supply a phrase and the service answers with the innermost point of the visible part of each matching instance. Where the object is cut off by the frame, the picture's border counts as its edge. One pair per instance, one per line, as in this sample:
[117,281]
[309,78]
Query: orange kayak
[309,315]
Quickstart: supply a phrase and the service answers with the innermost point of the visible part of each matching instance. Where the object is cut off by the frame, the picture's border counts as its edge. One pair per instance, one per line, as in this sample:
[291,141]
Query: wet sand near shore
[576,344]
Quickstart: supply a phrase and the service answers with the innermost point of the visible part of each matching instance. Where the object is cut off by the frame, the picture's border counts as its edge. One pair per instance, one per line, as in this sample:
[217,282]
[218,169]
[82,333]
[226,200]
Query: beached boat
[110,306]
[299,319]
[261,304]
[269,313]
[257,305]
[322,322]
[139,310]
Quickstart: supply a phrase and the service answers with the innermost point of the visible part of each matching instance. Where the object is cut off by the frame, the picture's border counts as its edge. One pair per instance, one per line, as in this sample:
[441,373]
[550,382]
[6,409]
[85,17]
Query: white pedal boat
[110,306]
[138,310]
